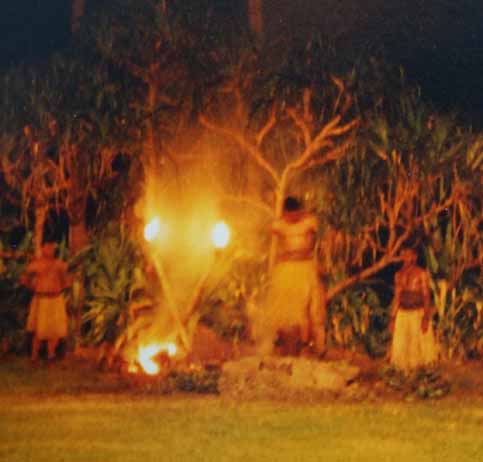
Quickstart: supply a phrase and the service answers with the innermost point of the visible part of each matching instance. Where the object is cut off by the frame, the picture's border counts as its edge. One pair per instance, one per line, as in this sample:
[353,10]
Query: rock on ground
[284,377]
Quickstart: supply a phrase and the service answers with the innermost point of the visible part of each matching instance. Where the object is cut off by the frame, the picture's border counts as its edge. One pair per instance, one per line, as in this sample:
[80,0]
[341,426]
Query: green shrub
[356,317]
[14,298]
[423,383]
[113,278]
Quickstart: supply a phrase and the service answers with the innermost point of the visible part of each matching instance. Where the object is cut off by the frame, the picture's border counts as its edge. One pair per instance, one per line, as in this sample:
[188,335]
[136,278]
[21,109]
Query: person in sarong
[293,313]
[47,277]
[413,342]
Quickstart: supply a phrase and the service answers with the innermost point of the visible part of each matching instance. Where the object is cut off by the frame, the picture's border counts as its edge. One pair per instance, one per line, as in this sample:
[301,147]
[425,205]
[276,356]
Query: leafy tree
[413,181]
[286,121]
[66,140]
[168,49]
[65,145]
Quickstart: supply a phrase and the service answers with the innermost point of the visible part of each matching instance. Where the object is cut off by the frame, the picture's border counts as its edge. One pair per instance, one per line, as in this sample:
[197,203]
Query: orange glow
[220,235]
[148,352]
[133,369]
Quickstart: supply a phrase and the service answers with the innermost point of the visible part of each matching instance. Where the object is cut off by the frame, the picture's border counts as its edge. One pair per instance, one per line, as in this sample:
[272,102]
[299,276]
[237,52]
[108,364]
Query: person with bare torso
[294,310]
[413,343]
[47,277]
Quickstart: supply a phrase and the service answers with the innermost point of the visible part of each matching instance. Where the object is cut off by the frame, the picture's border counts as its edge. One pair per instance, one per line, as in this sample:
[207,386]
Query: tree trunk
[40,217]
[151,164]
[78,9]
[149,143]
[78,237]
[279,198]
[255,18]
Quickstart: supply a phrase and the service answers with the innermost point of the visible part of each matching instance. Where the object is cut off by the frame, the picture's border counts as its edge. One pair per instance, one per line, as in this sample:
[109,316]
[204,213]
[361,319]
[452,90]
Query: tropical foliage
[150,81]
[113,276]
[15,298]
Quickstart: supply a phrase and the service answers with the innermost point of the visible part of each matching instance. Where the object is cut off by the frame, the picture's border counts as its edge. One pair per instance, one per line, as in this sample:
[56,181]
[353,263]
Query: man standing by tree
[294,310]
[413,343]
[47,320]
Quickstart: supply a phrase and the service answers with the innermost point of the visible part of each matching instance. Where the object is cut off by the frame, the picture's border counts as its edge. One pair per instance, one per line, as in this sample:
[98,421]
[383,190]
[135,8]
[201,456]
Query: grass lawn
[67,415]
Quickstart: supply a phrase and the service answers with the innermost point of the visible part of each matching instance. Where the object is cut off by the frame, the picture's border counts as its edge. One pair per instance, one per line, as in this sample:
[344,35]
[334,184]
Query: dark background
[439,42]
[32,29]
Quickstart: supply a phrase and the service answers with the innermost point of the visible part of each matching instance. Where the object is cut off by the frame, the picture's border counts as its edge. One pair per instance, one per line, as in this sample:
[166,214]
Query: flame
[220,235]
[148,352]
[155,230]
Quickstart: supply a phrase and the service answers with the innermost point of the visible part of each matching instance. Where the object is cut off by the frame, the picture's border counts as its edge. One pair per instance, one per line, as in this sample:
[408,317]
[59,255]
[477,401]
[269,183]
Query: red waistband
[47,294]
[410,308]
[295,256]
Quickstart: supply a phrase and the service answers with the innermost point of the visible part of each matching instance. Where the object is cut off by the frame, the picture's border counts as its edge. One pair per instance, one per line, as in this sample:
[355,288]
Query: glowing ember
[148,352]
[220,235]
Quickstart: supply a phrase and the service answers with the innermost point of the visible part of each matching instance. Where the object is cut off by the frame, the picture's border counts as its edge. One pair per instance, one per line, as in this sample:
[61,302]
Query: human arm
[65,279]
[425,284]
[27,278]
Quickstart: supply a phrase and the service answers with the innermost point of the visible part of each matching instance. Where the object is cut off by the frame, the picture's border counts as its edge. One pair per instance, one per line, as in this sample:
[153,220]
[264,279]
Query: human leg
[35,347]
[51,347]
[290,341]
[265,344]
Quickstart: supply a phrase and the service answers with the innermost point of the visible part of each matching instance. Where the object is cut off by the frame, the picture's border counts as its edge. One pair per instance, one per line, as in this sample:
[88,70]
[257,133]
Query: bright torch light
[220,235]
[151,230]
[155,230]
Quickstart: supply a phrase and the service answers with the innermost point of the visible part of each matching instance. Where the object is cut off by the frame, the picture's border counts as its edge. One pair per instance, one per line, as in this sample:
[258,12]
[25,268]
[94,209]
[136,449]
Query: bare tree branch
[331,156]
[300,123]
[251,149]
[267,127]
[320,141]
[364,274]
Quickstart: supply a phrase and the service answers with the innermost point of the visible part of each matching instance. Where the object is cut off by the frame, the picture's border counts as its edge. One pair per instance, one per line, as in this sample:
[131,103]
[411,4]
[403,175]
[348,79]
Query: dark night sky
[440,42]
[31,29]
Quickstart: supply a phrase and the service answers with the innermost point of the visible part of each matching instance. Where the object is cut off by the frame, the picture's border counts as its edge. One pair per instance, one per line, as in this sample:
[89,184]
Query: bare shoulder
[34,266]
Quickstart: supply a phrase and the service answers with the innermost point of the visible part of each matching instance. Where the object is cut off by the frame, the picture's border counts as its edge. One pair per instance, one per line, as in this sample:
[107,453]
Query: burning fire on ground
[148,357]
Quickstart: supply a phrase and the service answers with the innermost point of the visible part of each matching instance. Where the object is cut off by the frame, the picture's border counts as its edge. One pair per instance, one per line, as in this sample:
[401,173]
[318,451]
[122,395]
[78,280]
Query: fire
[155,229]
[220,235]
[146,355]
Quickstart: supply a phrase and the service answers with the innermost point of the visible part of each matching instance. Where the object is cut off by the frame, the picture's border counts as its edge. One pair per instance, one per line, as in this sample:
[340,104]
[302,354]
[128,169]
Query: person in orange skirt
[413,342]
[294,308]
[47,277]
